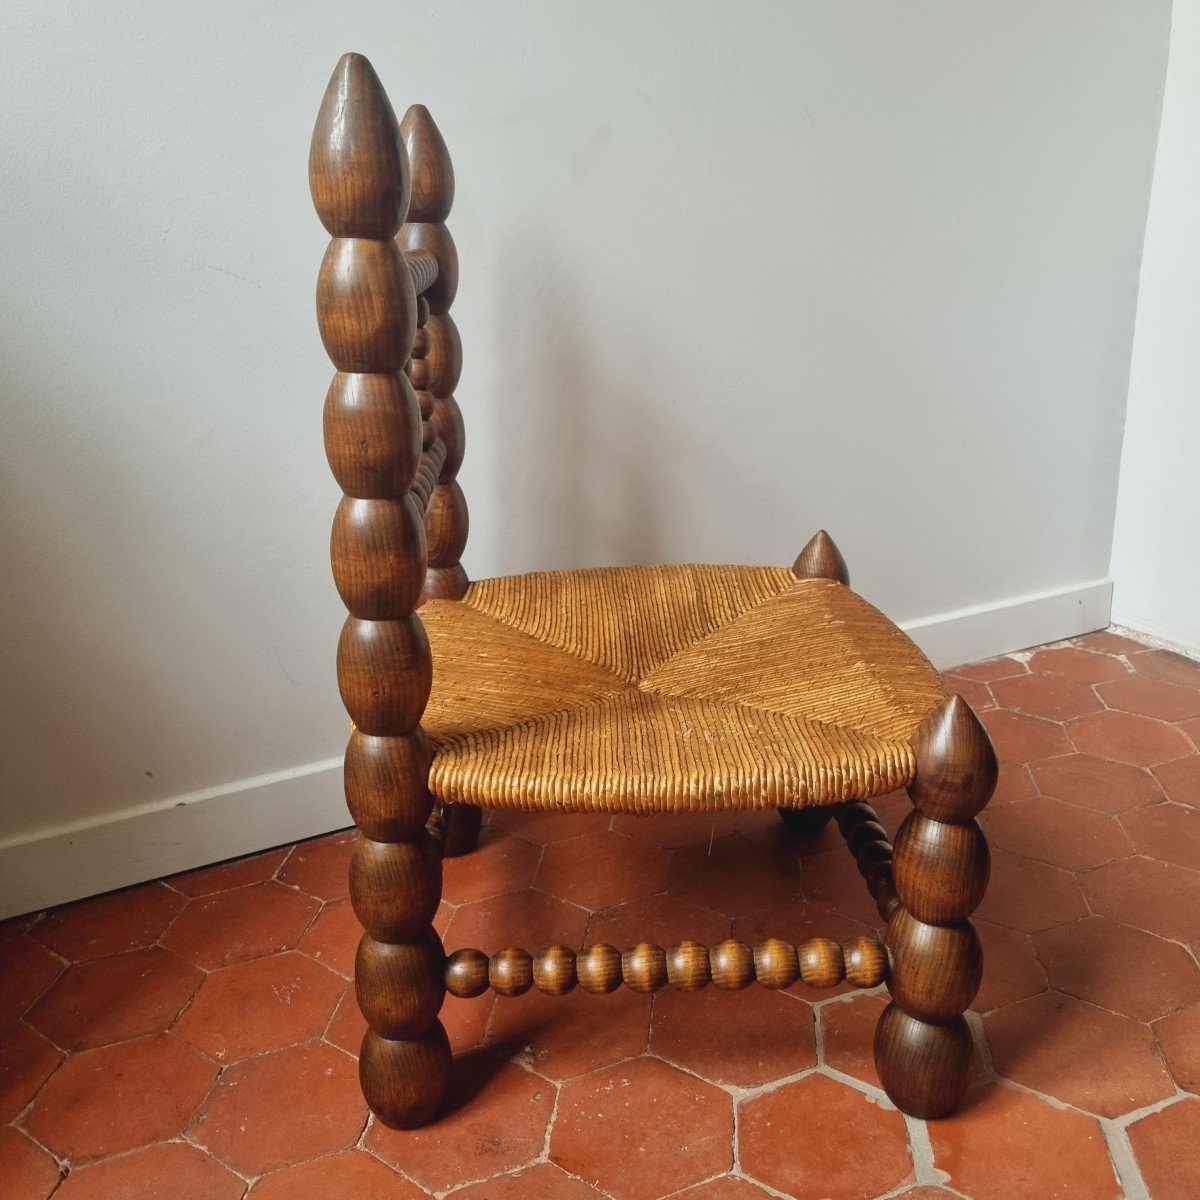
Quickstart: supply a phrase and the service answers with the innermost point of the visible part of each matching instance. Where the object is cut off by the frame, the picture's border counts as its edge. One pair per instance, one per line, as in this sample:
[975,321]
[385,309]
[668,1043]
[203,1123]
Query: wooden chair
[642,689]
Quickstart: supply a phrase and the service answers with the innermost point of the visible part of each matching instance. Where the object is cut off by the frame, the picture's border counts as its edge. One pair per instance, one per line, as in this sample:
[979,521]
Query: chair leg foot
[806,822]
[405,1081]
[924,1068]
[462,830]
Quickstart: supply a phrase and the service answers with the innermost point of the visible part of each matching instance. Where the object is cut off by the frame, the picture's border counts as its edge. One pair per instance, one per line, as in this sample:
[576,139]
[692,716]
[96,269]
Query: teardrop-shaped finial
[821,559]
[432,171]
[956,763]
[357,168]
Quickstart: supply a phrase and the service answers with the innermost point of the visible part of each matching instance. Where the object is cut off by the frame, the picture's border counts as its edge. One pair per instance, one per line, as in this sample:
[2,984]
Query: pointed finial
[432,171]
[357,168]
[956,763]
[821,559]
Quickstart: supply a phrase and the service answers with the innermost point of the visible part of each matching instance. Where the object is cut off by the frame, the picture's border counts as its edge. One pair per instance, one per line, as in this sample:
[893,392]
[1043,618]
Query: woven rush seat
[670,689]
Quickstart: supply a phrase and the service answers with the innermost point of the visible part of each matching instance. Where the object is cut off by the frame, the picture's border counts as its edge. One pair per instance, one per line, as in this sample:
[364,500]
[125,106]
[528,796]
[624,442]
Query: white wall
[1156,549]
[730,272]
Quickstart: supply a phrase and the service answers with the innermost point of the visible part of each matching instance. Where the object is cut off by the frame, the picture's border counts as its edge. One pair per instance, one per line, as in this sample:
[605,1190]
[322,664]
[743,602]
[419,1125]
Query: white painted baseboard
[53,866]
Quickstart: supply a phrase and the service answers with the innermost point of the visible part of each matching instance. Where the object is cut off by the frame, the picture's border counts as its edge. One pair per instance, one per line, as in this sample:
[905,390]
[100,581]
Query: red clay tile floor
[195,1038]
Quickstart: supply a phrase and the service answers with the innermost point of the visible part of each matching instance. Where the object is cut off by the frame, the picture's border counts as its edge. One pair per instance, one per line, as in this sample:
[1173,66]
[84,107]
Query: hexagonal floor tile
[544,1181]
[1083,666]
[662,1130]
[848,1035]
[546,827]
[734,876]
[1022,739]
[743,1039]
[261,1005]
[173,1169]
[282,1108]
[321,867]
[1179,1040]
[1180,780]
[1167,832]
[1157,897]
[1166,1145]
[1011,970]
[977,694]
[332,939]
[27,1060]
[116,998]
[27,969]
[1049,696]
[498,864]
[1125,738]
[1163,664]
[1056,832]
[1152,698]
[222,877]
[530,919]
[676,831]
[1119,968]
[229,927]
[494,1121]
[1096,783]
[1086,1056]
[126,920]
[850,1145]
[1005,1143]
[724,1187]
[27,1170]
[1029,896]
[564,1036]
[992,669]
[350,1174]
[107,1101]
[832,881]
[663,919]
[602,869]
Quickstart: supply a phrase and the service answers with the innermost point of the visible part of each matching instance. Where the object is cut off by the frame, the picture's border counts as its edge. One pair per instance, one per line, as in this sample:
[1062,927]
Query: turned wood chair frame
[394,438]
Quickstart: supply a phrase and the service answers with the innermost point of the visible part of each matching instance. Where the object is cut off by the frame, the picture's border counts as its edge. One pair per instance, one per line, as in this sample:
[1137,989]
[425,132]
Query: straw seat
[670,689]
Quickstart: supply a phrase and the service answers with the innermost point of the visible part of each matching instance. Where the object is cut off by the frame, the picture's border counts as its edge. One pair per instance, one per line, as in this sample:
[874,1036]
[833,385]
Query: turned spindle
[686,967]
[940,868]
[821,559]
[868,842]
[366,312]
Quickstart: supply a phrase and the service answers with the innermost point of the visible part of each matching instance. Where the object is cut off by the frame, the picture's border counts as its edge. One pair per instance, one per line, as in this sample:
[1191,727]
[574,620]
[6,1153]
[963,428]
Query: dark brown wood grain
[821,559]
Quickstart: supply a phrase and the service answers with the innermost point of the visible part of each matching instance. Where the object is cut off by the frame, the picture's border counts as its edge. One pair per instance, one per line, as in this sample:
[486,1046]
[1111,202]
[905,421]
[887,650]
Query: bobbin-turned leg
[806,822]
[366,310]
[940,869]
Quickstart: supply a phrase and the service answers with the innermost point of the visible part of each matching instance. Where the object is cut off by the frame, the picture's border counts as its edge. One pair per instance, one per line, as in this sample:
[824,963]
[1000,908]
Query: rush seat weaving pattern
[670,689]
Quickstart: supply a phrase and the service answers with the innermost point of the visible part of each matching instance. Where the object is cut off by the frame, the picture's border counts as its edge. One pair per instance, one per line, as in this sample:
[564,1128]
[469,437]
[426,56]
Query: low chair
[649,689]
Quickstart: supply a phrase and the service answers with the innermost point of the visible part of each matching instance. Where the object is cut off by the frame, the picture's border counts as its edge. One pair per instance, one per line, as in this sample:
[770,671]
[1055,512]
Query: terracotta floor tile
[254,868]
[976,693]
[27,1171]
[27,969]
[1096,783]
[1180,780]
[1119,968]
[1157,897]
[1085,1056]
[547,827]
[116,998]
[443,917]
[1152,698]
[282,1108]
[321,867]
[1006,1144]
[1167,832]
[764,827]
[498,864]
[1023,739]
[735,876]
[832,881]
[564,1036]
[1123,737]
[229,927]
[124,920]
[351,1175]
[1179,1040]
[992,669]
[528,918]
[725,1187]
[601,869]
[1015,783]
[1011,970]
[677,832]
[663,920]
[172,1171]
[332,939]
[1030,896]
[852,1146]
[1083,666]
[494,1121]
[1108,642]
[544,1181]
[663,1130]
[1048,696]
[796,921]
[744,1039]
[1163,664]
[27,1060]
[466,1021]
[848,1035]
[1191,729]
[1166,1145]
[103,1102]
[927,1193]
[261,1005]
[347,1026]
[1057,832]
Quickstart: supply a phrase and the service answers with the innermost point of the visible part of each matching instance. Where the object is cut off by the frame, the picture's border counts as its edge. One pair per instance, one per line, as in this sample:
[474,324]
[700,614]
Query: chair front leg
[940,865]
